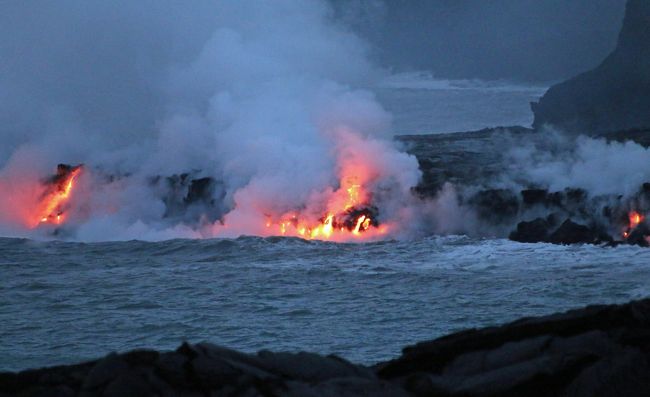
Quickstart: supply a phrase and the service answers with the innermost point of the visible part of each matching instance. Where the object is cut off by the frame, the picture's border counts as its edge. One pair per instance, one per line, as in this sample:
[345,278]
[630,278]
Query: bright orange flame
[350,195]
[635,219]
[353,195]
[55,199]
[360,221]
[340,212]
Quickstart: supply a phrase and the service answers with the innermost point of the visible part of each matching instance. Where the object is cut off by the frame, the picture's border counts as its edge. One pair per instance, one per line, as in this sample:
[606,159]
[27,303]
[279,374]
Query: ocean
[65,302]
[62,302]
[421,104]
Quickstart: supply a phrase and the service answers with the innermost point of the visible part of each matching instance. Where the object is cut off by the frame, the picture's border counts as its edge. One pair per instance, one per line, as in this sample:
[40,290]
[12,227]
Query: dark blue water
[64,302]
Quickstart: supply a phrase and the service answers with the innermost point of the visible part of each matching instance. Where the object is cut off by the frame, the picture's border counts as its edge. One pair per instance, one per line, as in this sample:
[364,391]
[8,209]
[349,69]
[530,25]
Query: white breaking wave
[423,80]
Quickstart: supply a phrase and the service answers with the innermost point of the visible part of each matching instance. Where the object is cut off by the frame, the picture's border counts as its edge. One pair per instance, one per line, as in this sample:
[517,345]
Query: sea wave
[362,301]
[427,81]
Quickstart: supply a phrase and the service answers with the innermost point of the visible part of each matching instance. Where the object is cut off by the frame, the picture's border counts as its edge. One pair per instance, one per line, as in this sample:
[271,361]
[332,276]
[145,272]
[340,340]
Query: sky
[524,40]
[112,67]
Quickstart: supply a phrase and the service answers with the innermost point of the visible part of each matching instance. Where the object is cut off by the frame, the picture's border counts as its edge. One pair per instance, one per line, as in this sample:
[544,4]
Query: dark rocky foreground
[594,351]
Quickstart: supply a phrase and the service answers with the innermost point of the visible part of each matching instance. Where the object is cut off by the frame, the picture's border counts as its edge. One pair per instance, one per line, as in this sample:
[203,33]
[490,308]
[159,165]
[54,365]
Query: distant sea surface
[421,104]
[63,302]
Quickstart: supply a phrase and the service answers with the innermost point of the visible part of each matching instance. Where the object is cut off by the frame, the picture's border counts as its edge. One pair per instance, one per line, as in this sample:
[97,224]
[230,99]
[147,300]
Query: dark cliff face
[615,96]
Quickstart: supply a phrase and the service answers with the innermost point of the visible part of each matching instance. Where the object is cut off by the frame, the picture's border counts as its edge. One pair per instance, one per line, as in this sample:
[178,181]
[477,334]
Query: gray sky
[528,40]
[104,67]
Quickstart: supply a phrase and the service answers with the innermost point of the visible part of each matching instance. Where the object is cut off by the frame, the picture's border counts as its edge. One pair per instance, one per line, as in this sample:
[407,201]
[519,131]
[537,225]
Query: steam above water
[269,99]
[270,103]
[595,165]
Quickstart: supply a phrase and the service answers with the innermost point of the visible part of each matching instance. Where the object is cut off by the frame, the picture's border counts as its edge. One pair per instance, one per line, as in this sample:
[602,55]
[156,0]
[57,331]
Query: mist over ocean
[232,172]
[64,301]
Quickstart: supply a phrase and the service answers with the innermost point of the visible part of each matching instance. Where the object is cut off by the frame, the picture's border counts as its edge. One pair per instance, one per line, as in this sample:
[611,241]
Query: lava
[56,197]
[349,223]
[349,215]
[634,220]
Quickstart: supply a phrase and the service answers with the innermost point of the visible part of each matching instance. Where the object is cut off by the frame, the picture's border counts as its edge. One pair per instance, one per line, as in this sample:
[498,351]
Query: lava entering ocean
[349,215]
[55,200]
[634,220]
[364,200]
[360,198]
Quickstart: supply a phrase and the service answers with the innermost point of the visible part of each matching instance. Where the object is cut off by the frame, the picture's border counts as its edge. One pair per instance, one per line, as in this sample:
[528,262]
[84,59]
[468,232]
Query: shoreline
[601,348]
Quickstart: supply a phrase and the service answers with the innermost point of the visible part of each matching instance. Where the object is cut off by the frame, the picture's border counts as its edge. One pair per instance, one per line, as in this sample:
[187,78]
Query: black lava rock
[594,351]
[496,205]
[639,236]
[534,231]
[534,196]
[573,233]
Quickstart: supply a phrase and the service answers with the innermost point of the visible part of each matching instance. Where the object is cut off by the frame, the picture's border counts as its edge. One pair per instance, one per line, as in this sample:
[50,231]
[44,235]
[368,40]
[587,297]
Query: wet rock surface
[573,233]
[594,351]
[533,231]
[573,217]
[462,157]
[609,102]
[190,197]
[471,161]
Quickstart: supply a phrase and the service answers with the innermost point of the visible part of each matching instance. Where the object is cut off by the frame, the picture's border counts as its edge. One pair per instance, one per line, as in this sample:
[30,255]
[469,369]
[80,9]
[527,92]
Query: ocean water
[62,302]
[421,104]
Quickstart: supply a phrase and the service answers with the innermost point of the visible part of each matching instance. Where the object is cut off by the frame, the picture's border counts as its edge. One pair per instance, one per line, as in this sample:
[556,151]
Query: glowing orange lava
[53,204]
[348,215]
[634,219]
[362,198]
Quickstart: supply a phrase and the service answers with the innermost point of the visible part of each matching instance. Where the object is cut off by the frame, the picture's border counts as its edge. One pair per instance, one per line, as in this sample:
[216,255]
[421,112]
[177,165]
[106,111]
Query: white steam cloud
[596,165]
[269,104]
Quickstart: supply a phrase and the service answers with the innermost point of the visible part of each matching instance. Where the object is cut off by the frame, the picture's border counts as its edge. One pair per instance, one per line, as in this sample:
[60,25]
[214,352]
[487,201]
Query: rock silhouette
[594,351]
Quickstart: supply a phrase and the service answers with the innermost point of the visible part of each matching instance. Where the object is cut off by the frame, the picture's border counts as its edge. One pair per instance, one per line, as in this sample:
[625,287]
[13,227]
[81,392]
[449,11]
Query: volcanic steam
[254,119]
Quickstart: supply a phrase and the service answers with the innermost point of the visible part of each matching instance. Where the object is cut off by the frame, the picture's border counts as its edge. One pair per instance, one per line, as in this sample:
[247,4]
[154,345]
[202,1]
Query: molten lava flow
[634,219]
[55,199]
[348,215]
[363,198]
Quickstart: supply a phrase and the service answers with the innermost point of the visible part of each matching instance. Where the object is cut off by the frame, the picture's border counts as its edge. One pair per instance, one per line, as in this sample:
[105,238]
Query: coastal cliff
[615,96]
[594,351]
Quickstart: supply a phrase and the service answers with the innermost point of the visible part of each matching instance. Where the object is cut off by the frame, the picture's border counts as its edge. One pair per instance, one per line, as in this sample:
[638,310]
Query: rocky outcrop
[202,370]
[615,96]
[462,158]
[190,197]
[534,231]
[569,232]
[595,351]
